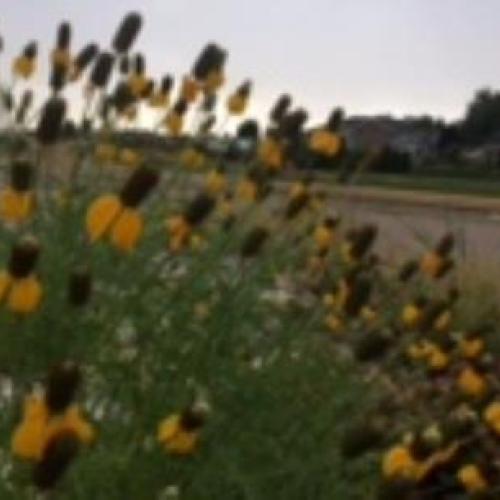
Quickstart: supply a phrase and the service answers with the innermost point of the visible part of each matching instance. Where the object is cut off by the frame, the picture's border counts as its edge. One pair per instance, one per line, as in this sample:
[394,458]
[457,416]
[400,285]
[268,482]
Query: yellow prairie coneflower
[237,102]
[137,81]
[17,201]
[190,89]
[280,109]
[19,286]
[82,61]
[247,190]
[25,65]
[472,479]
[324,234]
[137,84]
[208,68]
[216,181]
[420,350]
[334,323]
[117,216]
[472,383]
[472,348]
[253,186]
[437,359]
[491,416]
[437,262]
[398,463]
[61,57]
[180,227]
[214,81]
[129,158]
[271,153]
[161,98]
[48,419]
[179,433]
[174,121]
[358,243]
[325,142]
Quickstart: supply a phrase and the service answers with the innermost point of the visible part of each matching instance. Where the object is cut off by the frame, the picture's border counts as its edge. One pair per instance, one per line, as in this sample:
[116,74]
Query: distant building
[417,137]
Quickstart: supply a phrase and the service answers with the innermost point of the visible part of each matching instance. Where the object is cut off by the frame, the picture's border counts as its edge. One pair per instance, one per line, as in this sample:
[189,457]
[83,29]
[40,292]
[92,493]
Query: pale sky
[369,56]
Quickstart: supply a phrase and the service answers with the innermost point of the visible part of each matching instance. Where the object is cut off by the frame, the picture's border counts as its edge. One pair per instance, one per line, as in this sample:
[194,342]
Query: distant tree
[450,140]
[482,120]
[391,161]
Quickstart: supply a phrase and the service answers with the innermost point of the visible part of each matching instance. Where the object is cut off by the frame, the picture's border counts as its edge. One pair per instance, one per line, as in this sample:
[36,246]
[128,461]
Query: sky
[369,56]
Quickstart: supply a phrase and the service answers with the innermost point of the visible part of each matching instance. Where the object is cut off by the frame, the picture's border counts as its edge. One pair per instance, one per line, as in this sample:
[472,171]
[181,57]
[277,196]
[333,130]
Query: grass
[481,185]
[280,396]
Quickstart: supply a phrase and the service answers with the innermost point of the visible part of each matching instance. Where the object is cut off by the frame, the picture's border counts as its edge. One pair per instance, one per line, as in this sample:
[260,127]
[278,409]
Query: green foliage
[482,120]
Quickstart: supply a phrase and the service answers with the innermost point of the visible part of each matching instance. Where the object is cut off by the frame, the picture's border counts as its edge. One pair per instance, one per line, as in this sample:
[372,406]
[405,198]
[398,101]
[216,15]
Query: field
[158,332]
[479,184]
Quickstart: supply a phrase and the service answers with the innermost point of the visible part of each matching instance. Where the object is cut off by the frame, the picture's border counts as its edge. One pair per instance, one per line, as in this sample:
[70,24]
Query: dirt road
[410,221]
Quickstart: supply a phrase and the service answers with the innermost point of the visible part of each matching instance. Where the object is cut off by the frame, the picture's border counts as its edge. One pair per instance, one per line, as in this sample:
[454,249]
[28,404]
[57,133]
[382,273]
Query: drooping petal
[15,206]
[28,439]
[25,295]
[101,215]
[127,230]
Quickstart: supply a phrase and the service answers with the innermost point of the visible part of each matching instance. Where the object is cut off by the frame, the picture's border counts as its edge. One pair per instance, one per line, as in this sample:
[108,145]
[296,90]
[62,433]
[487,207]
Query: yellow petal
[215,182]
[214,81]
[28,439]
[399,463]
[127,230]
[159,100]
[237,104]
[325,143]
[16,206]
[61,57]
[184,443]
[174,123]
[472,383]
[168,428]
[472,479]
[271,154]
[472,348]
[73,422]
[247,190]
[431,264]
[25,295]
[24,67]
[137,84]
[190,89]
[174,438]
[491,416]
[323,237]
[101,215]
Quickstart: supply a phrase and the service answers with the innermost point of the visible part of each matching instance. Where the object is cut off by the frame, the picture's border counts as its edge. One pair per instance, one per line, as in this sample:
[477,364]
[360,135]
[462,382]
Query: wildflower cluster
[211,270]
